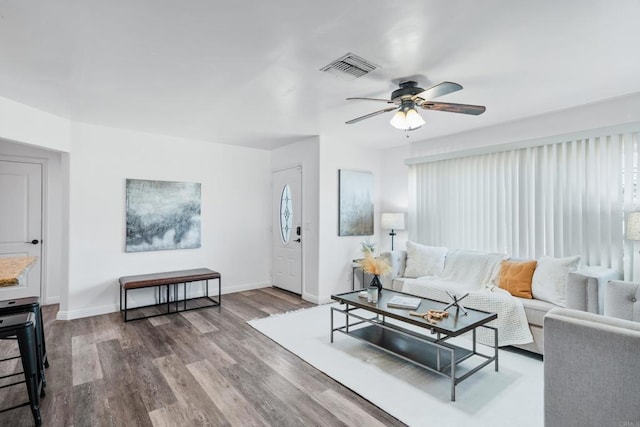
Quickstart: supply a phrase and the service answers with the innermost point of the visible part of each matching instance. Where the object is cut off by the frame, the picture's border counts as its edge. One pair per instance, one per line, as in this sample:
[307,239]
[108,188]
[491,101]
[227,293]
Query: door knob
[34,242]
[297,240]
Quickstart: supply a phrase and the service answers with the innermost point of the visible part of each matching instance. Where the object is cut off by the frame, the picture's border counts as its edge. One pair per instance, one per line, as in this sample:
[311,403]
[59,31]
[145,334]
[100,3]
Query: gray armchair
[586,289]
[592,362]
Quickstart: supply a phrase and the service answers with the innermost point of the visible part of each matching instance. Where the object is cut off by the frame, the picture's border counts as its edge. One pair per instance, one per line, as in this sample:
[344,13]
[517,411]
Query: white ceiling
[247,71]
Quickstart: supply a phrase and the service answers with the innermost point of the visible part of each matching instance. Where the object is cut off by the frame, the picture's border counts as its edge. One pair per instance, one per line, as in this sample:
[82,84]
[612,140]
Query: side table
[355,265]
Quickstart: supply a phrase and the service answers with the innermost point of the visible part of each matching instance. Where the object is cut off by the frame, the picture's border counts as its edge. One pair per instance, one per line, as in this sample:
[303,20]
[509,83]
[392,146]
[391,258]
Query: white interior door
[287,229]
[21,222]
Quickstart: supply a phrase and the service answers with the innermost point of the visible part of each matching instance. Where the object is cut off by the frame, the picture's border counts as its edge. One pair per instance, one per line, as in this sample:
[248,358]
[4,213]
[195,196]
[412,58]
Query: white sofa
[584,288]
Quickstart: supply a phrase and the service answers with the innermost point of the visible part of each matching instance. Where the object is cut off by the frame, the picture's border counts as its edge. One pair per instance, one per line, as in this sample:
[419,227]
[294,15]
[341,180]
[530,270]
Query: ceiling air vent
[350,66]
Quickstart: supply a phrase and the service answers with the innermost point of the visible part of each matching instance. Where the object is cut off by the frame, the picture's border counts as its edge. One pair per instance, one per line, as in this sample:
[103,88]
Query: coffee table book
[404,302]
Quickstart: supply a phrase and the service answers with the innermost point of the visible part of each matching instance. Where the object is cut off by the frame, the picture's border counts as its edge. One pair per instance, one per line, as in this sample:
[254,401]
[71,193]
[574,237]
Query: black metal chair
[31,304]
[22,326]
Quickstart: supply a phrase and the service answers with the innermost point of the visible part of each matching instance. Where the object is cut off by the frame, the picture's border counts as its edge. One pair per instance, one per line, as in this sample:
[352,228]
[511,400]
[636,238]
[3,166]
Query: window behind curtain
[557,199]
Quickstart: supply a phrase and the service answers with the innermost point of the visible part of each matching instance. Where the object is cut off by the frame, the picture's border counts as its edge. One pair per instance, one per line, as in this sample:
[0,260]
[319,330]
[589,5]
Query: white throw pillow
[474,269]
[550,278]
[424,260]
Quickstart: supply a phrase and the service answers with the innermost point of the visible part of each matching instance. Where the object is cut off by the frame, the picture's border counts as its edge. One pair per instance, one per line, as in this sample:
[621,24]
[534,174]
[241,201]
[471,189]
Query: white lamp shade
[414,120]
[399,120]
[407,120]
[392,221]
[633,226]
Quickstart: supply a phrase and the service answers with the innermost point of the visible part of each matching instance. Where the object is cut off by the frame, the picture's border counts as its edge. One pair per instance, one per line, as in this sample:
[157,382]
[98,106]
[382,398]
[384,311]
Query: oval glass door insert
[286,214]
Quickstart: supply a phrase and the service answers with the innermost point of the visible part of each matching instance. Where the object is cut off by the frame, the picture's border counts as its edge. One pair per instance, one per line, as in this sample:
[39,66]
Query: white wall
[235,212]
[53,231]
[305,153]
[21,123]
[337,252]
[394,191]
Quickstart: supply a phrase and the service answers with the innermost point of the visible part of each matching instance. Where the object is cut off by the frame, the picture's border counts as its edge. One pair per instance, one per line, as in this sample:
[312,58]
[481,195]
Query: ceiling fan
[410,96]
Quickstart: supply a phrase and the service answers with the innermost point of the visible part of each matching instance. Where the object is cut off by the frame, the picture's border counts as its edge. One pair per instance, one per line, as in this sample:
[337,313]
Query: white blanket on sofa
[474,272]
[512,324]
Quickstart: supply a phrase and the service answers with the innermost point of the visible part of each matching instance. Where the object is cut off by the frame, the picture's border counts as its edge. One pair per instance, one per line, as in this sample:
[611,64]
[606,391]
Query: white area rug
[417,397]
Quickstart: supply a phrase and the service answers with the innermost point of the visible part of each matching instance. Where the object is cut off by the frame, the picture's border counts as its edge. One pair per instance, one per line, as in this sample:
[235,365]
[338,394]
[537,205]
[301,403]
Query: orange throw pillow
[516,277]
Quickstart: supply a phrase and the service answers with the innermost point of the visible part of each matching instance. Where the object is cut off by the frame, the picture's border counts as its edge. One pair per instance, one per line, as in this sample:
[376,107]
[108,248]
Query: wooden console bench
[170,279]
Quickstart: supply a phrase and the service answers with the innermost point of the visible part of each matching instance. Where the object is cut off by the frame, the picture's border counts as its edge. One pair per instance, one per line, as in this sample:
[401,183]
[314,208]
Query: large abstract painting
[162,215]
[356,203]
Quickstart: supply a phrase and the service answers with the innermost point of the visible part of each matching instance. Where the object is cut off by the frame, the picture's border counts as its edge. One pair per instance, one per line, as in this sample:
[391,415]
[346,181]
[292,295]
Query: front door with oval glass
[287,229]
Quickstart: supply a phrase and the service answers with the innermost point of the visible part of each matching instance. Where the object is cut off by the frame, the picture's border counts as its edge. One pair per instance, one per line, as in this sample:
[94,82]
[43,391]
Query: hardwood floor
[203,367]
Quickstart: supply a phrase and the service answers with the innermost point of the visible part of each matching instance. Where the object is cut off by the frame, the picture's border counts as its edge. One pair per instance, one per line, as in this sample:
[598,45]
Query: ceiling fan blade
[438,90]
[371,115]
[388,101]
[454,108]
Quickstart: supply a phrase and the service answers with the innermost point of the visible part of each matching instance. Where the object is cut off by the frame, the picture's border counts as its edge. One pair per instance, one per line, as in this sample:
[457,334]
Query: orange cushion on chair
[516,277]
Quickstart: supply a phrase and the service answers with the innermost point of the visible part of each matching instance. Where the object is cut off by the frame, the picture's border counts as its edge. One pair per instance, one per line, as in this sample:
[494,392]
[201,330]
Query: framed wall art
[355,216]
[162,215]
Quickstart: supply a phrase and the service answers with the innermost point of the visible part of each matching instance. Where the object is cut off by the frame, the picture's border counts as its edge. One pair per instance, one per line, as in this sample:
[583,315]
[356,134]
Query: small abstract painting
[356,203]
[162,215]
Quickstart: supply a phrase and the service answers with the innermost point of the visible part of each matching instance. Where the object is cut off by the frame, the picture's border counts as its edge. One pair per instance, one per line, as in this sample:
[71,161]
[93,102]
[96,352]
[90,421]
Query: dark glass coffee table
[430,352]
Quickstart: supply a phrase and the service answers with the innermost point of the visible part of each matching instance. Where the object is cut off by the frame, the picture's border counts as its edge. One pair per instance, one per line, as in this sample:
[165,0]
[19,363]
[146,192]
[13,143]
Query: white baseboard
[105,309]
[87,312]
[316,299]
[245,287]
[52,300]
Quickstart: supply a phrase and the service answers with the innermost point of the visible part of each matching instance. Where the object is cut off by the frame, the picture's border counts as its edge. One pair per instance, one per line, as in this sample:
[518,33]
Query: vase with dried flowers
[377,267]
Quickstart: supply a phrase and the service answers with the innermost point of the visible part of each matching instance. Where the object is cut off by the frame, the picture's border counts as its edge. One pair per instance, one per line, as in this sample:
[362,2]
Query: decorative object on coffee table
[399,301]
[375,281]
[372,294]
[431,315]
[456,302]
[375,266]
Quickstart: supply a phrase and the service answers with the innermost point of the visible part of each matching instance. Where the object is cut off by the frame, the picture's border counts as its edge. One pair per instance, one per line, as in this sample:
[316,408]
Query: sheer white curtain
[557,199]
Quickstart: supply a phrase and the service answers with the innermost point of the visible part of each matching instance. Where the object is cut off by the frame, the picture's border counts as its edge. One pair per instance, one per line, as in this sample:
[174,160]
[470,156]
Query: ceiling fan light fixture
[399,120]
[413,119]
[409,96]
[407,119]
